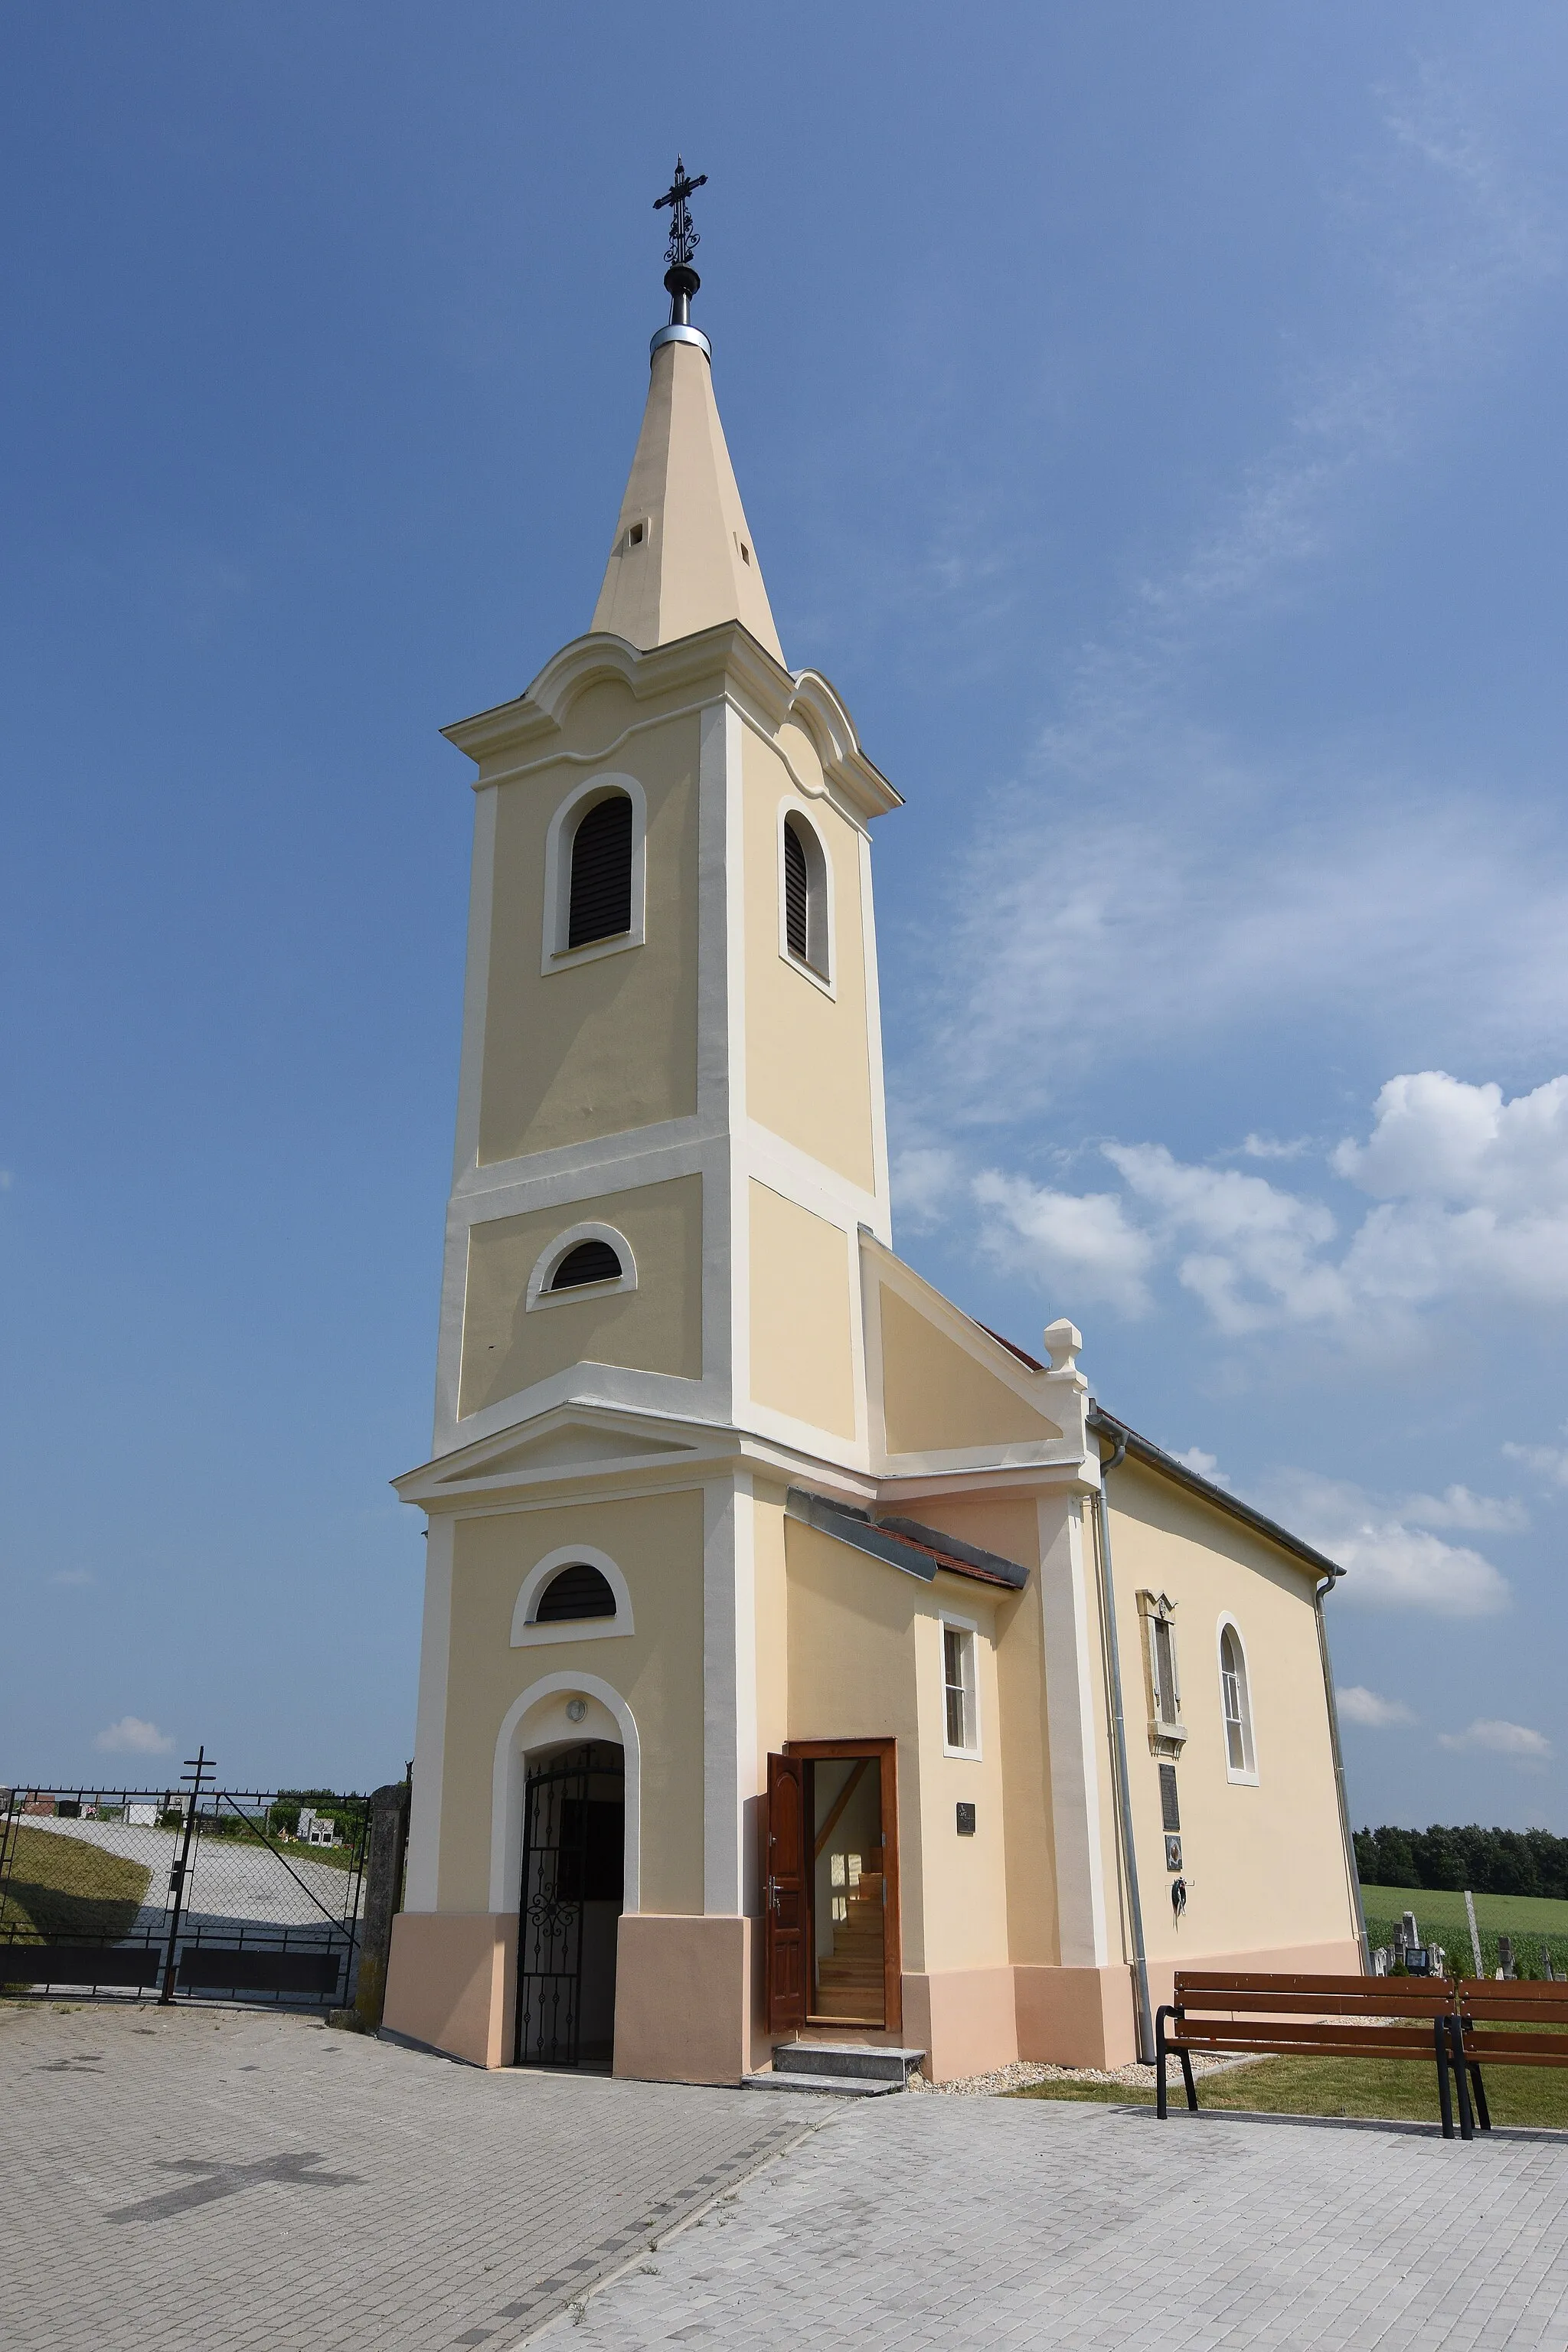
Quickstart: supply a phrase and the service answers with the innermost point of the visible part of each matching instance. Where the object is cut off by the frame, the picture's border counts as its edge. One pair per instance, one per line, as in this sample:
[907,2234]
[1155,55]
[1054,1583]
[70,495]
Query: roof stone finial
[680,279]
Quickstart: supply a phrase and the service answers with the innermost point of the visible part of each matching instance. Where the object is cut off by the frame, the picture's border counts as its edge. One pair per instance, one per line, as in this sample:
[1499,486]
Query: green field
[1397,2089]
[66,1887]
[1440,1916]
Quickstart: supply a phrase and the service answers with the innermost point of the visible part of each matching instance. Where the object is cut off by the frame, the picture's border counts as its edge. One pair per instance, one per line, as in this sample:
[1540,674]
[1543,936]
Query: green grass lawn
[66,1887]
[1509,1914]
[1399,2090]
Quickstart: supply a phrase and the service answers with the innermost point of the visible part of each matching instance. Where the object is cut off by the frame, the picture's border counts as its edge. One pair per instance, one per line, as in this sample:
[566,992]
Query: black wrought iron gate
[573,1864]
[195,1893]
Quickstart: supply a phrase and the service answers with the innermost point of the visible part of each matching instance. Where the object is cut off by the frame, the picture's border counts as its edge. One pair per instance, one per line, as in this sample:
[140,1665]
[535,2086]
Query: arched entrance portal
[573,1847]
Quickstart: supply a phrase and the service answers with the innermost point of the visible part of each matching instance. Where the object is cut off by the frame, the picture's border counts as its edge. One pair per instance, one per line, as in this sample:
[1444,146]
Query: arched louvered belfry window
[589,1262]
[573,1592]
[600,900]
[805,896]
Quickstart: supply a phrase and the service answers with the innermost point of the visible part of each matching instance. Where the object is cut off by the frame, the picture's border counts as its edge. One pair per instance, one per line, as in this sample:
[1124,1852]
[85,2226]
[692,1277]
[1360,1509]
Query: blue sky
[1151,419]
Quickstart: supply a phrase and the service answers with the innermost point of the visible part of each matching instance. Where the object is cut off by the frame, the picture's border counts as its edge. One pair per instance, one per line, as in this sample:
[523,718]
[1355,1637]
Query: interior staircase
[850,1985]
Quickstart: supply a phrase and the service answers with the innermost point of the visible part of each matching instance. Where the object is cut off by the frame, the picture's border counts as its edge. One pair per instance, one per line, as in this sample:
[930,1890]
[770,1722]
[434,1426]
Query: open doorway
[832,1926]
[574,1848]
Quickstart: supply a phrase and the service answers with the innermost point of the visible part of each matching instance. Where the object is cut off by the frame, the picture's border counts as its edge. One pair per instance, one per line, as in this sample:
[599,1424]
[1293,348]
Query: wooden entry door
[784,1904]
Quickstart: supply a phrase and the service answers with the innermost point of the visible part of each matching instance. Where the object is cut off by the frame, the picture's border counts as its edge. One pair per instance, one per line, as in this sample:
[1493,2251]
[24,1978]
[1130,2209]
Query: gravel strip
[1024,2071]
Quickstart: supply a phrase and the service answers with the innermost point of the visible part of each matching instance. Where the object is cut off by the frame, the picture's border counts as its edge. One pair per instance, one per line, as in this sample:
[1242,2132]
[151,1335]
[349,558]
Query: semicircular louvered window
[589,1262]
[601,901]
[576,1592]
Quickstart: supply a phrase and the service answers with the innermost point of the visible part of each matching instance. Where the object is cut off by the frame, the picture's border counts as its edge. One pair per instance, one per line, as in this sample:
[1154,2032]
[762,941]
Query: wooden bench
[1490,2016]
[1316,2017]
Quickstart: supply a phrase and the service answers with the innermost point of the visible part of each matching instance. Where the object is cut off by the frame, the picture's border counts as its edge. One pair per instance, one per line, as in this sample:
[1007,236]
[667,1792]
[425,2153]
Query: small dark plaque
[966,1821]
[1173,1854]
[1170,1808]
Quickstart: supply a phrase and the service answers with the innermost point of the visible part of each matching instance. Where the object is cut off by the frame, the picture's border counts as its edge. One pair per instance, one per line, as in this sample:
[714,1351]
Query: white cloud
[1493,1738]
[924,1178]
[132,1737]
[1258,1258]
[1205,1465]
[1264,1146]
[1359,1705]
[1079,1246]
[1548,1462]
[1456,1507]
[1390,1564]
[1472,1208]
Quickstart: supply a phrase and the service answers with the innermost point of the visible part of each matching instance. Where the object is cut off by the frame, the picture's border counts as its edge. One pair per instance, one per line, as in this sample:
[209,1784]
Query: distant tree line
[1489,1862]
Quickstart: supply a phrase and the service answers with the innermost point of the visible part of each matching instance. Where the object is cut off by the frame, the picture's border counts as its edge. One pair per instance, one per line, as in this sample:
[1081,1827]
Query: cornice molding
[761,686]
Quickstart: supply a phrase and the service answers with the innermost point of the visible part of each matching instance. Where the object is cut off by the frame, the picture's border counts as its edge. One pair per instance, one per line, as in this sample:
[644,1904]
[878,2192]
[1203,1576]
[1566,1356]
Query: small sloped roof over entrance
[904,1543]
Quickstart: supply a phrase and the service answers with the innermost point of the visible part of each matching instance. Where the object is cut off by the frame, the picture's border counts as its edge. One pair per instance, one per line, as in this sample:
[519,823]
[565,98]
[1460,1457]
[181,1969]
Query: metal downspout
[1319,1593]
[1123,1790]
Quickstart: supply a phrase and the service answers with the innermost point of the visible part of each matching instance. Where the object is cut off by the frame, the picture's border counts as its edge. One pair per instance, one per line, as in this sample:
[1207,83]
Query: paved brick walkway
[202,2182]
[946,2223]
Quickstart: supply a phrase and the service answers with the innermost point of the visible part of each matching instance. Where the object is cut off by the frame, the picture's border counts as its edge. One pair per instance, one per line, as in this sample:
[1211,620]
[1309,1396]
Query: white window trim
[556,955]
[969,1625]
[827,982]
[525,1633]
[1246,1779]
[539,1291]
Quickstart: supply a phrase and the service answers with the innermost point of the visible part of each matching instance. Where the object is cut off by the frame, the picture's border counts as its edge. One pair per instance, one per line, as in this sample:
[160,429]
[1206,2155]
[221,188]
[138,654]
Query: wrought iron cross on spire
[683,237]
[680,279]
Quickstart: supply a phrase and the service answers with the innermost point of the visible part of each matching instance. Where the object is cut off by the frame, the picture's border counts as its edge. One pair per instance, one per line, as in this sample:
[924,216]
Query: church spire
[683,557]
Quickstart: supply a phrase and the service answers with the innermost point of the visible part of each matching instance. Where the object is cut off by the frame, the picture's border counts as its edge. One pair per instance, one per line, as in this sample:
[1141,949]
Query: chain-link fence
[183,1892]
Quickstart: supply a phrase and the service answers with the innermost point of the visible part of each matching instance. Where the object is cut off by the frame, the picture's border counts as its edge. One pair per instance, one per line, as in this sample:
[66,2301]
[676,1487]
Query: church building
[801,1660]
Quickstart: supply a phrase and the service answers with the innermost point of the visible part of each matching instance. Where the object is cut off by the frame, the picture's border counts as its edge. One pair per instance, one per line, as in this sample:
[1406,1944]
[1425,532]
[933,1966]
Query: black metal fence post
[198,1771]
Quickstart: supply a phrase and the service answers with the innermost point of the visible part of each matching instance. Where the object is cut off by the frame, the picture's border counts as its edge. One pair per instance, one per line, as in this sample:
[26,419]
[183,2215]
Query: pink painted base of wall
[451,1982]
[964,2018]
[687,1996]
[683,1998]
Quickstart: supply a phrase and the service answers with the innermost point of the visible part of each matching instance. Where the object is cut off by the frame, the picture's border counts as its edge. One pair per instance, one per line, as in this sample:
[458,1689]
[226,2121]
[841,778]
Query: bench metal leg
[1161,2106]
[1483,2112]
[1461,2080]
[1457,2051]
[1187,2079]
[1444,2096]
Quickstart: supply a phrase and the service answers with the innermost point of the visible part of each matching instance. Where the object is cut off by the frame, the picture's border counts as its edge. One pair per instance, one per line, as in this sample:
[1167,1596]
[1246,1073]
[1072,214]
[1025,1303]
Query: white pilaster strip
[733,1285]
[1068,1623]
[430,1722]
[728,1689]
[881,1220]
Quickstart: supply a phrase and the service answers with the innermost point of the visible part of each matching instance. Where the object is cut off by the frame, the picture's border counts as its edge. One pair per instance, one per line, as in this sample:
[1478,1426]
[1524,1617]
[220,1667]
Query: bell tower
[671,1046]
[671,1144]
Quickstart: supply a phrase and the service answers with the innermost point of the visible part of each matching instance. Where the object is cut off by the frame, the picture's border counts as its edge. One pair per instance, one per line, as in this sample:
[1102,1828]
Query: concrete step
[847,2061]
[831,2086]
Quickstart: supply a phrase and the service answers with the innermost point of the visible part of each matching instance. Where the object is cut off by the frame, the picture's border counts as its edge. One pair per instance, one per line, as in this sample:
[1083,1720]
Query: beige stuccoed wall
[657,1541]
[1265,1866]
[1009,1524]
[936,1396]
[864,1662]
[802,1359]
[656,1328]
[808,1074]
[599,1047]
